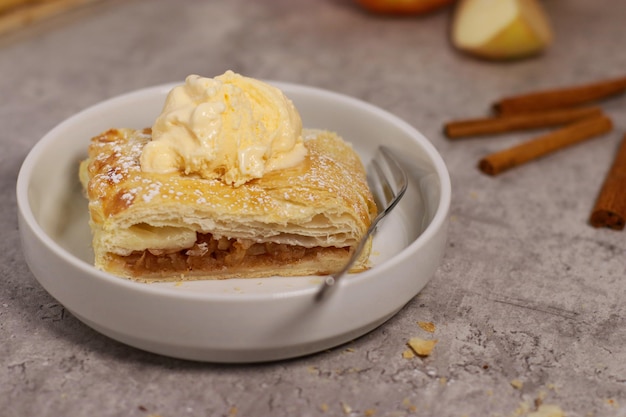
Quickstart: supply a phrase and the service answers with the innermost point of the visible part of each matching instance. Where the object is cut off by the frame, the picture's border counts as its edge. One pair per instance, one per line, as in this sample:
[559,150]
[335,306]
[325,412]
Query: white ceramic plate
[232,320]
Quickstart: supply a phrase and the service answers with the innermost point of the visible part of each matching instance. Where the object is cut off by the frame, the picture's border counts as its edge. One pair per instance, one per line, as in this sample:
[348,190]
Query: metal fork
[387,193]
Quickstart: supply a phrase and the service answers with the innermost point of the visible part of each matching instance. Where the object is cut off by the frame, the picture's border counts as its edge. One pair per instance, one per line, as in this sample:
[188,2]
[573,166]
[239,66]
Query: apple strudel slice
[304,220]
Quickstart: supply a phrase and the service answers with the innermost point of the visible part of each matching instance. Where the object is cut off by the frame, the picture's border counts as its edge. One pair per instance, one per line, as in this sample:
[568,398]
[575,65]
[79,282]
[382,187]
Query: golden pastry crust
[165,227]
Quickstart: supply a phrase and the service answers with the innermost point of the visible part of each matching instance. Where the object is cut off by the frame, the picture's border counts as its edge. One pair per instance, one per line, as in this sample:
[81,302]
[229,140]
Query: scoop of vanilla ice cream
[230,127]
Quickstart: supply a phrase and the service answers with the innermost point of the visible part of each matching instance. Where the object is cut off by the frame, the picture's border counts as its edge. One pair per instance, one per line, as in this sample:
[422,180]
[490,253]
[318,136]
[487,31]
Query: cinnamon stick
[492,125]
[559,98]
[569,135]
[610,208]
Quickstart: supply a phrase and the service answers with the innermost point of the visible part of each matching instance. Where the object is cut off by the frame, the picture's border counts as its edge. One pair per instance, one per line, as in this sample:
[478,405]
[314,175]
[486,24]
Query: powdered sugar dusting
[154,189]
[115,162]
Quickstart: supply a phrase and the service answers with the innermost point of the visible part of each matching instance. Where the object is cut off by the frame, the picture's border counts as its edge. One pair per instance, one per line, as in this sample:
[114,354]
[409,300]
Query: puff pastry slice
[147,227]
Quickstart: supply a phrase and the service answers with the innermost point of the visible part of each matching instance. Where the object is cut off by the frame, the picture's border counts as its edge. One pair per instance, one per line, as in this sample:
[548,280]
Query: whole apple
[403,7]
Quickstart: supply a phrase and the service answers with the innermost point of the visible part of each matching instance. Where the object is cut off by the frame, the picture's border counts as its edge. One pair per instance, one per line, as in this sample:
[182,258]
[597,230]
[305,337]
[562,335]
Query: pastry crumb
[517,384]
[427,326]
[408,354]
[370,412]
[547,410]
[346,408]
[324,407]
[422,347]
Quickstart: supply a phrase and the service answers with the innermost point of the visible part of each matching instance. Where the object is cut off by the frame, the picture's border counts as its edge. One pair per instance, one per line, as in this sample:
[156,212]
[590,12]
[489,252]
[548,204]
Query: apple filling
[211,254]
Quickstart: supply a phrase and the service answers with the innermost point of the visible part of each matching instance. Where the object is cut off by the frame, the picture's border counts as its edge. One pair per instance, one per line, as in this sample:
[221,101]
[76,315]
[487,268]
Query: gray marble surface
[527,290]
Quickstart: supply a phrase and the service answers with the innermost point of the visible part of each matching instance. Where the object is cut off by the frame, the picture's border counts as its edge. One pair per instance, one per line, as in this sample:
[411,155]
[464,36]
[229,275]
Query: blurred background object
[404,7]
[15,14]
[489,29]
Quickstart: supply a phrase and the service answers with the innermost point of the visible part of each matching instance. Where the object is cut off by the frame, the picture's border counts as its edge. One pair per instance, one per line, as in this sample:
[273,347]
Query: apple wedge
[501,29]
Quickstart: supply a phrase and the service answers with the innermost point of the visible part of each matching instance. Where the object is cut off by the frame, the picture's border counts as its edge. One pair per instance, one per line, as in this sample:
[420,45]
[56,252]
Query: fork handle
[332,279]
